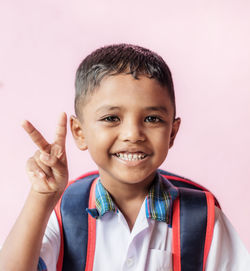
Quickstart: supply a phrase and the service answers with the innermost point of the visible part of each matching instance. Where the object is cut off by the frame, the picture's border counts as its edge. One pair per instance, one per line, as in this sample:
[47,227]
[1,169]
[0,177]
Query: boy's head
[125,108]
[116,59]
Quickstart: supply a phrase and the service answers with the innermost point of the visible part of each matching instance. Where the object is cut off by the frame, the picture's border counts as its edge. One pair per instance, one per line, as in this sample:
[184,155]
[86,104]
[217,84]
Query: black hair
[117,59]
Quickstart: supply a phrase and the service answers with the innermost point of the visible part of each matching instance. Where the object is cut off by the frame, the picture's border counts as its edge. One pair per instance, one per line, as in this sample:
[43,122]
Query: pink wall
[207,46]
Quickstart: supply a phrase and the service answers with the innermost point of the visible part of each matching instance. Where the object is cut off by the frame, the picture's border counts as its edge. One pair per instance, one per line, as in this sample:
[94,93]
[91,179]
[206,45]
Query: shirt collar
[158,202]
[160,198]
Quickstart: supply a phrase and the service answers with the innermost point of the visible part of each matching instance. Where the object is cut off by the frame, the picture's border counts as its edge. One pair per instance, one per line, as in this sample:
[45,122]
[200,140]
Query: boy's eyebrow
[162,109]
[107,107]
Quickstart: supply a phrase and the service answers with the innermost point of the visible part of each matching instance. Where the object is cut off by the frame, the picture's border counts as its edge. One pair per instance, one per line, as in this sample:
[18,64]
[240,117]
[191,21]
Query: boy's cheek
[98,142]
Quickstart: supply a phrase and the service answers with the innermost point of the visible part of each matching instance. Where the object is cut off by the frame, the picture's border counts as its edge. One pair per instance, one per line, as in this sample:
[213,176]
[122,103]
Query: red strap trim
[170,177]
[59,219]
[91,230]
[210,226]
[88,174]
[176,244]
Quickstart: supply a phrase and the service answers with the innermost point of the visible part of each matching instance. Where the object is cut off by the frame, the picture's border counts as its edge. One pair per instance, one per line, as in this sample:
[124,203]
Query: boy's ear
[175,128]
[78,134]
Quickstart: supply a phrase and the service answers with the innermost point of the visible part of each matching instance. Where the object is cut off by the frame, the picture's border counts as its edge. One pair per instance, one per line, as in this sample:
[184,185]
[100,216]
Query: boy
[125,117]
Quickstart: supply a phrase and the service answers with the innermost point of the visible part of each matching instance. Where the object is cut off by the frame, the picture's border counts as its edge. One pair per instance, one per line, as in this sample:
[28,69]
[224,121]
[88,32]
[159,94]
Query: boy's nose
[132,132]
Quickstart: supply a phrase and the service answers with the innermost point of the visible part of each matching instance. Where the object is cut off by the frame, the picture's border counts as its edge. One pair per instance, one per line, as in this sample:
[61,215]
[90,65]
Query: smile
[131,156]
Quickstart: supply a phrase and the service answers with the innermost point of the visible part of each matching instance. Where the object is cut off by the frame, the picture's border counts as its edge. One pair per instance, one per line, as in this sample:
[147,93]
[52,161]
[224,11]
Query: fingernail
[59,155]
[23,122]
[57,151]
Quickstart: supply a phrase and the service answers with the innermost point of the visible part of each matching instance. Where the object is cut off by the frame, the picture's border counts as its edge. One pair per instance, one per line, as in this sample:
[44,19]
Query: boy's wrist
[47,201]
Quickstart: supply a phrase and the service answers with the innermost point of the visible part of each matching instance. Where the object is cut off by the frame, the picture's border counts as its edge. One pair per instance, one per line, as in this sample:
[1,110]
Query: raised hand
[47,168]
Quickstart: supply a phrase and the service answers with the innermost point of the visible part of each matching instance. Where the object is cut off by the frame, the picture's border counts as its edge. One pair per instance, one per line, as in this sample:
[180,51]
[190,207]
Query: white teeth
[131,156]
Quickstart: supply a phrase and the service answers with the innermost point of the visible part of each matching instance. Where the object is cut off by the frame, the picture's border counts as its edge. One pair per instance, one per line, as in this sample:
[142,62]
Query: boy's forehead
[117,92]
[128,79]
[121,85]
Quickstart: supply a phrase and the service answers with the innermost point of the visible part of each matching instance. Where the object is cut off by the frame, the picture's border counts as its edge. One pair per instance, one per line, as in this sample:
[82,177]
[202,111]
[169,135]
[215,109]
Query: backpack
[192,224]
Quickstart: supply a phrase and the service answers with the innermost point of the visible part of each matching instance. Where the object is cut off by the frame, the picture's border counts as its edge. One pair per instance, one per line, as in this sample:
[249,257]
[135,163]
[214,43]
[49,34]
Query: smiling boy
[127,140]
[125,117]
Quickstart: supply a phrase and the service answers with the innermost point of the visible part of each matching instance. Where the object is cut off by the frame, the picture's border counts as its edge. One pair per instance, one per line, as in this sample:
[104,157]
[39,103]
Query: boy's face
[127,126]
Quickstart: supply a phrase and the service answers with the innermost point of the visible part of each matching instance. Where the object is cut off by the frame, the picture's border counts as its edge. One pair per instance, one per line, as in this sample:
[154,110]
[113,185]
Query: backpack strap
[77,228]
[193,223]
[59,219]
[91,230]
[179,181]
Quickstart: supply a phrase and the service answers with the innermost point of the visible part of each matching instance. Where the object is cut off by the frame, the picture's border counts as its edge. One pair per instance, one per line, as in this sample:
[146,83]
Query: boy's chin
[130,177]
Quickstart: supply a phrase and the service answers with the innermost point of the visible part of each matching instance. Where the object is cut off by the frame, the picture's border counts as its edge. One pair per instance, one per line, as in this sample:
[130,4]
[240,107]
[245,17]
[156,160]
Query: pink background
[205,43]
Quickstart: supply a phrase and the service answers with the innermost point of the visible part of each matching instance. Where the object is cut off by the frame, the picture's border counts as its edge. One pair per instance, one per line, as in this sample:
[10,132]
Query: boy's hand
[47,168]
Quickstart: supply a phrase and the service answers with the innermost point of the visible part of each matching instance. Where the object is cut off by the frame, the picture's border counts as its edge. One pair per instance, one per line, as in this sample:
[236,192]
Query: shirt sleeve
[227,252]
[50,246]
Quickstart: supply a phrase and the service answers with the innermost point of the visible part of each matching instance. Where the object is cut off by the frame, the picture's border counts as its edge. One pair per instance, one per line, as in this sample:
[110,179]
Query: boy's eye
[153,119]
[111,119]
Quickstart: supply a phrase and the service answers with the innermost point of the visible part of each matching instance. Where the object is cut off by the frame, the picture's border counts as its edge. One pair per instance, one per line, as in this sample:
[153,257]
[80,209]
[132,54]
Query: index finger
[36,136]
[61,130]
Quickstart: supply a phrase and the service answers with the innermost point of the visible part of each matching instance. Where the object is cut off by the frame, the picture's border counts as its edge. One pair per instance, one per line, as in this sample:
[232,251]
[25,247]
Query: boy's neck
[129,201]
[129,197]
[125,192]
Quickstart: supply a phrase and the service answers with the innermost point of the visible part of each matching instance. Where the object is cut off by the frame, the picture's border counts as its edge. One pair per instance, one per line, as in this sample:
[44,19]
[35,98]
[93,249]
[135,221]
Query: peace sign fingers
[61,131]
[50,160]
[36,137]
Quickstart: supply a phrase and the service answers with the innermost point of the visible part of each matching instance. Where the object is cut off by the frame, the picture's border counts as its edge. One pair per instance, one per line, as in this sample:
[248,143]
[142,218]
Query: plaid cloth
[158,202]
[41,265]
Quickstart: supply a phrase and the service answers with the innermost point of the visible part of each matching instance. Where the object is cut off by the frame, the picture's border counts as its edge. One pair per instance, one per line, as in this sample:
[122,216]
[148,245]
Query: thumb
[58,168]
[59,152]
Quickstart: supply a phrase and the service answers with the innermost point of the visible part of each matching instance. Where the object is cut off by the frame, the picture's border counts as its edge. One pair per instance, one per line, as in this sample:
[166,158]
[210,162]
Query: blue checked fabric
[41,265]
[158,203]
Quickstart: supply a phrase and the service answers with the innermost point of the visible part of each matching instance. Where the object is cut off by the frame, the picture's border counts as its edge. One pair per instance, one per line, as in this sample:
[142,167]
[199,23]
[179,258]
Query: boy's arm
[227,252]
[48,173]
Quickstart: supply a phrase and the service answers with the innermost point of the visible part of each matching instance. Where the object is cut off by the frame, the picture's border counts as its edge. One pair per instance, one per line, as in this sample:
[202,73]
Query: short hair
[116,59]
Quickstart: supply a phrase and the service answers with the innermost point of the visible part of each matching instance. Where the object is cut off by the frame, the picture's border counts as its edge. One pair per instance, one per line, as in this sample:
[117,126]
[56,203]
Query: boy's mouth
[128,156]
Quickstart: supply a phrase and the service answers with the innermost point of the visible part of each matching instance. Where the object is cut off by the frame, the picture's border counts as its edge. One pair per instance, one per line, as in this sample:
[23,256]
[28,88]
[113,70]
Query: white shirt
[148,246]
